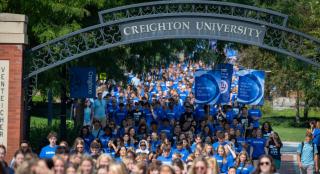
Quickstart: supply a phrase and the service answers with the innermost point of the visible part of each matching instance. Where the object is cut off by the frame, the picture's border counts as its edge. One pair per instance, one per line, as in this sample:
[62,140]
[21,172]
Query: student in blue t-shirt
[49,150]
[221,140]
[165,157]
[120,114]
[106,137]
[307,156]
[258,147]
[243,164]
[180,150]
[224,162]
[87,138]
[254,115]
[315,128]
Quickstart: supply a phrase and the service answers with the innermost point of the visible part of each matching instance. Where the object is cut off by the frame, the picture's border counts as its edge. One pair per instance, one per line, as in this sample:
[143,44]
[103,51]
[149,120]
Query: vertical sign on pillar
[4,90]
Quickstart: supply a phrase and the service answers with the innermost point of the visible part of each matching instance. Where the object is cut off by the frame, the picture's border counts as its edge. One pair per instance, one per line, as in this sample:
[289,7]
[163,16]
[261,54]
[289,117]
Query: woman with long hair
[208,150]
[224,162]
[117,168]
[178,166]
[86,166]
[266,165]
[18,159]
[78,146]
[266,129]
[104,160]
[199,166]
[212,165]
[243,164]
[122,153]
[58,165]
[274,145]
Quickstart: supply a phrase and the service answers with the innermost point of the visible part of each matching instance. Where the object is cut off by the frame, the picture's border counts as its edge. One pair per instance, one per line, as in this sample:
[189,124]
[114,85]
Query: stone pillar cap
[10,17]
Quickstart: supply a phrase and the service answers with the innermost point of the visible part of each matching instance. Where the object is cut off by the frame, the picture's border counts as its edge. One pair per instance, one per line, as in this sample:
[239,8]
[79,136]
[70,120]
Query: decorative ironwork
[187,7]
[277,38]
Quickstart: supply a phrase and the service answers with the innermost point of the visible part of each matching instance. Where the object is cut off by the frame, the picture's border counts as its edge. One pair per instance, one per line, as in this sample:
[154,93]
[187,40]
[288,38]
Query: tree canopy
[49,19]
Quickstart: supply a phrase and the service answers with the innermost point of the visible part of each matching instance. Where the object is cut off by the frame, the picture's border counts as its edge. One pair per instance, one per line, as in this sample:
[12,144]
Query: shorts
[277,163]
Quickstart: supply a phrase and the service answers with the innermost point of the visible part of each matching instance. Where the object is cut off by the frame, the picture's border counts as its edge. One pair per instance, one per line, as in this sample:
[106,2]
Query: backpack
[303,146]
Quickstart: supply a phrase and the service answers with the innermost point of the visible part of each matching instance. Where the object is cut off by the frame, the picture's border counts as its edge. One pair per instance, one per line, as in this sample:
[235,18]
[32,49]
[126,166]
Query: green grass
[290,134]
[283,122]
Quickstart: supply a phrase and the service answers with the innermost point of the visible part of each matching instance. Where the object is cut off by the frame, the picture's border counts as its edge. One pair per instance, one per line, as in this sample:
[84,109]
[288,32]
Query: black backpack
[303,146]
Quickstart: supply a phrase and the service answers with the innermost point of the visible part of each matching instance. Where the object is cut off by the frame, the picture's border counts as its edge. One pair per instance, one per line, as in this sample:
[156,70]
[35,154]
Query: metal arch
[107,35]
[193,6]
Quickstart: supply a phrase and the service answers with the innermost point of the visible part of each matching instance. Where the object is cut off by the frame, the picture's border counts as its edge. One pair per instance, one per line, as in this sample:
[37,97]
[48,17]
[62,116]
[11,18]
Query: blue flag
[82,82]
[207,86]
[251,87]
[226,78]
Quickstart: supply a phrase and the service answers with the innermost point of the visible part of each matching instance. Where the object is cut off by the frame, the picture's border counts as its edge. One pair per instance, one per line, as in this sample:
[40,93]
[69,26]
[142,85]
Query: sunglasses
[200,168]
[264,163]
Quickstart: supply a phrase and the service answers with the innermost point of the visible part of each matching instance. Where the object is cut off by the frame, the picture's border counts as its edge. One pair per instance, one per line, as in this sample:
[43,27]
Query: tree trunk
[306,109]
[297,107]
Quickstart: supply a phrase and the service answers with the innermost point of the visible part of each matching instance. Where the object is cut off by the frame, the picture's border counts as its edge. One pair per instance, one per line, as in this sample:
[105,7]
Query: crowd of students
[154,126]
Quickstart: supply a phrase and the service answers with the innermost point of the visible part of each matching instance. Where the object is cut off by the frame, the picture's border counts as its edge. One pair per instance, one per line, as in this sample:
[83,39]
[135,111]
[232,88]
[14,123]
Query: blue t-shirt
[258,145]
[223,166]
[184,153]
[87,142]
[119,116]
[87,115]
[171,114]
[217,144]
[307,158]
[165,160]
[316,136]
[104,139]
[99,108]
[47,152]
[230,115]
[200,113]
[245,169]
[255,113]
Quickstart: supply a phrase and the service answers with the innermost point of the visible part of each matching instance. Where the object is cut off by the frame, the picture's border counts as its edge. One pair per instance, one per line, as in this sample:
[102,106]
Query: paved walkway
[289,158]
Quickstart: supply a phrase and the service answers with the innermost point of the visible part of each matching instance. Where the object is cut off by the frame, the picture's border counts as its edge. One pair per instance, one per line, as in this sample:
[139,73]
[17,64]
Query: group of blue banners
[215,86]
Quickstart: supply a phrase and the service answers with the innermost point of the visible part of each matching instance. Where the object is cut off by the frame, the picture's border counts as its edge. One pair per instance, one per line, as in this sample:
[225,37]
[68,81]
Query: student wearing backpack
[307,156]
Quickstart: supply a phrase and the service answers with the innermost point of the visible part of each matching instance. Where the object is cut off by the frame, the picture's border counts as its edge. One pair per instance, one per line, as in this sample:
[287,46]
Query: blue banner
[207,87]
[225,85]
[82,82]
[251,87]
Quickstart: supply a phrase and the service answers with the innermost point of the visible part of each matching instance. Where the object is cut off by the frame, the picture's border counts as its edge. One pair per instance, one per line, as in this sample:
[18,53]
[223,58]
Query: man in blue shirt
[254,115]
[49,150]
[165,158]
[120,114]
[221,140]
[182,151]
[100,109]
[307,156]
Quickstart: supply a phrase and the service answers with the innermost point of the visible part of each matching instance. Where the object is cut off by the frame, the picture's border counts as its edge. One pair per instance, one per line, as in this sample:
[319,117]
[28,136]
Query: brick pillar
[13,39]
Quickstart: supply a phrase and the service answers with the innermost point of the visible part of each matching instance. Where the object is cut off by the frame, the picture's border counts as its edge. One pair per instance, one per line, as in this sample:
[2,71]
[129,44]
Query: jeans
[307,169]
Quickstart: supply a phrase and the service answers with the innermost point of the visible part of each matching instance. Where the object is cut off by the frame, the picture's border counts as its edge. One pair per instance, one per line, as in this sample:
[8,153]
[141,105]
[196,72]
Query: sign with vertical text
[82,82]
[4,98]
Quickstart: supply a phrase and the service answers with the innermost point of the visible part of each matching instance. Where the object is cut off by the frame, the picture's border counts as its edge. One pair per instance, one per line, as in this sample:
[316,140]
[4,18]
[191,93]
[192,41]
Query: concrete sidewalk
[289,158]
